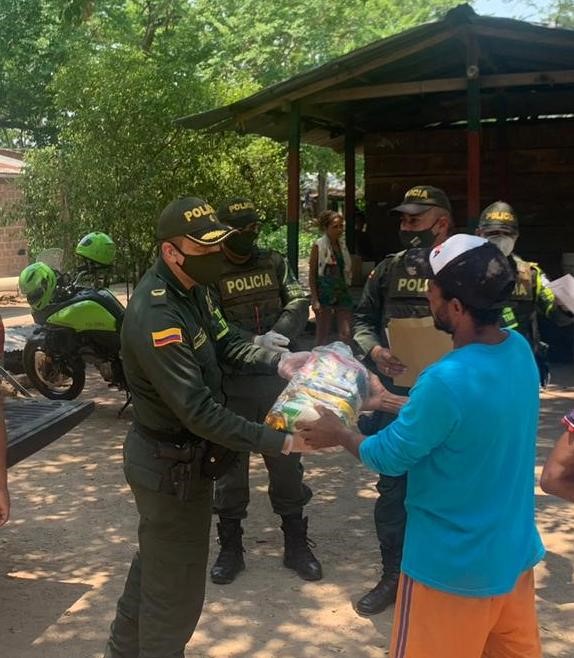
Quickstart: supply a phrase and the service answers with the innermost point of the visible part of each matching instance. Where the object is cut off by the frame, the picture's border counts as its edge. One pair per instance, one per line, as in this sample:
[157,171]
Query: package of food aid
[330,377]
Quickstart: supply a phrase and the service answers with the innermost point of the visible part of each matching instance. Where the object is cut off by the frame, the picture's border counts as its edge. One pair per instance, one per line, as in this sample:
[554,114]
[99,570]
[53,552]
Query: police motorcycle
[78,324]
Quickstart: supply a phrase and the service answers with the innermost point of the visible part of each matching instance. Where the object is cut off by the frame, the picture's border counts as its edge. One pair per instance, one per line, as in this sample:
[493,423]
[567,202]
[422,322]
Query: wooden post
[473,132]
[502,159]
[293,192]
[350,187]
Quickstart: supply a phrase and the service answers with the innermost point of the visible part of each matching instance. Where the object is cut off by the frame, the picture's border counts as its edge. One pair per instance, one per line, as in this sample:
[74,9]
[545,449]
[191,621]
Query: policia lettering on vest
[394,292]
[531,298]
[260,295]
[414,285]
[174,338]
[245,284]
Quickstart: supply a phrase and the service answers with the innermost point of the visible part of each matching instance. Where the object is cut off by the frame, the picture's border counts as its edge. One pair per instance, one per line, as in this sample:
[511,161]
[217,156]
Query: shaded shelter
[482,107]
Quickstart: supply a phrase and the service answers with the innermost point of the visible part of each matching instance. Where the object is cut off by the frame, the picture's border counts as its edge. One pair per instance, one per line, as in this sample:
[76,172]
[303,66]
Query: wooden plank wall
[529,165]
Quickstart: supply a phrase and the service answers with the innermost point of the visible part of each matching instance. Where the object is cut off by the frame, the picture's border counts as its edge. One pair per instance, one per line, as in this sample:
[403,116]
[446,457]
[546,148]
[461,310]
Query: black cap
[467,267]
[418,199]
[193,218]
[500,216]
[238,212]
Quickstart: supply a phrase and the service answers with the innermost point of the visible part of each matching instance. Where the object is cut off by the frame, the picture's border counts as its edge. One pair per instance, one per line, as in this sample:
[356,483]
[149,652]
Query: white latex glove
[272,341]
[290,363]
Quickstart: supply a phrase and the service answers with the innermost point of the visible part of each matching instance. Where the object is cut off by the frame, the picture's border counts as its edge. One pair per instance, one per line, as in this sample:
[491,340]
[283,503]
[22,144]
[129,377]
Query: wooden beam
[350,185]
[549,37]
[502,160]
[403,116]
[348,74]
[293,192]
[473,131]
[536,78]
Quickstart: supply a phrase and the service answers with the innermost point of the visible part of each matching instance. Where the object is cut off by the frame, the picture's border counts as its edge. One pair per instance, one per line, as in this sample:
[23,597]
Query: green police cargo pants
[164,591]
[251,396]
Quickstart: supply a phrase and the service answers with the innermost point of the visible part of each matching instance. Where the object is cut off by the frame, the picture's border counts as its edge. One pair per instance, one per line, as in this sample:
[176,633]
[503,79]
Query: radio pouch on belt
[217,460]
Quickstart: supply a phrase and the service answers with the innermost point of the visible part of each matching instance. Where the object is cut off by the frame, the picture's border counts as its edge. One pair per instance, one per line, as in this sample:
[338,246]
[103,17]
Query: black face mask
[203,269]
[418,239]
[241,243]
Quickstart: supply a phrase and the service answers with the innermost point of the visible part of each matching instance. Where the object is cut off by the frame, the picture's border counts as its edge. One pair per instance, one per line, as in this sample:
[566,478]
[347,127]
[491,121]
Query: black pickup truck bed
[33,424]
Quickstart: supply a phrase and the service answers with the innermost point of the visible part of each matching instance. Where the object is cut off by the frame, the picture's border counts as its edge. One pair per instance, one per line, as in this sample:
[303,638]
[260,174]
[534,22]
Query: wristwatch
[568,421]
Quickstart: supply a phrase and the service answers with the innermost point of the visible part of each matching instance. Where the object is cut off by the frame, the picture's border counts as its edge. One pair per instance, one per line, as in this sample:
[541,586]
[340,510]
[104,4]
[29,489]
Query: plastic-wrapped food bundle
[331,377]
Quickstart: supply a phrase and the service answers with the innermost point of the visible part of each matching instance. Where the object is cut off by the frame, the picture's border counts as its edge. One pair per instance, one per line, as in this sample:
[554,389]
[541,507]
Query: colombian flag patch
[167,336]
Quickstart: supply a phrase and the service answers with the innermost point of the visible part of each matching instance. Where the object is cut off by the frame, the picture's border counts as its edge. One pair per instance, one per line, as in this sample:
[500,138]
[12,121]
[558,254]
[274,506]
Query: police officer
[259,293]
[394,291]
[531,298]
[173,339]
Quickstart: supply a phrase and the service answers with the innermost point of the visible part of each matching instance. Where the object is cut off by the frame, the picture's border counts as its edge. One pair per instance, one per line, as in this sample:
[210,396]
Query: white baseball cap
[467,267]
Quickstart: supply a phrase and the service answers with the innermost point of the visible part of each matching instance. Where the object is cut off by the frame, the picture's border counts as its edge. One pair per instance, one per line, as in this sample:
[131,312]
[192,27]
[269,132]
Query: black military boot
[385,591]
[298,554]
[230,559]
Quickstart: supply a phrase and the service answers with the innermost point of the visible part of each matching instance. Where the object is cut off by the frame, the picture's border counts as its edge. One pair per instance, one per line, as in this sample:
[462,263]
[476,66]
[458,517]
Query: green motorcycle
[77,324]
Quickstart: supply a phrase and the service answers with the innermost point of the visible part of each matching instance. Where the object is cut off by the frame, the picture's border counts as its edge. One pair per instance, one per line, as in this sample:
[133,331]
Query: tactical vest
[404,292]
[520,314]
[404,296]
[250,293]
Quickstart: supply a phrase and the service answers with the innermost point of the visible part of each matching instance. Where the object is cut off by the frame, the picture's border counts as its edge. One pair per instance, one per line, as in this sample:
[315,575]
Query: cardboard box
[417,343]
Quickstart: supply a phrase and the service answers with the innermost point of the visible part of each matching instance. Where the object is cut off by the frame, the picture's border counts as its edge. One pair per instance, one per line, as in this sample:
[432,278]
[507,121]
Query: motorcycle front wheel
[57,378]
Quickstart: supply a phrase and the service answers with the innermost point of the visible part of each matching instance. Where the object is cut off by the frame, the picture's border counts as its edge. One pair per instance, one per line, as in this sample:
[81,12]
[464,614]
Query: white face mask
[504,242]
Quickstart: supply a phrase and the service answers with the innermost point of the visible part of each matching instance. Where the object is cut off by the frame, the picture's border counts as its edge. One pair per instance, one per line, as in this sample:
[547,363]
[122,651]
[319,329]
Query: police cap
[418,199]
[238,212]
[193,218]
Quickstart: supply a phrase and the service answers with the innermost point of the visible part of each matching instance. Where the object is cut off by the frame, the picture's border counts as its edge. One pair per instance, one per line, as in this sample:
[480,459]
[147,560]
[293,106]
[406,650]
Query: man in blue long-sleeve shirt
[467,439]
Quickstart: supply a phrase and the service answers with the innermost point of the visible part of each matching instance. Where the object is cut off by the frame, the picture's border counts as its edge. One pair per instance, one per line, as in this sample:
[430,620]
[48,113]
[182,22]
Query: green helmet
[97,247]
[37,282]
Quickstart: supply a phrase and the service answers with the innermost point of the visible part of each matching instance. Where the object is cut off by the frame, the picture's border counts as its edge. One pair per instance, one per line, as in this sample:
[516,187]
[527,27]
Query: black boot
[385,591]
[230,559]
[298,554]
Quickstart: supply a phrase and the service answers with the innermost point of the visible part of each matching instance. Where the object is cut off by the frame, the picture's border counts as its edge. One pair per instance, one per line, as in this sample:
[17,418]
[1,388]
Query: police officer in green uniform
[174,338]
[394,291]
[259,294]
[531,297]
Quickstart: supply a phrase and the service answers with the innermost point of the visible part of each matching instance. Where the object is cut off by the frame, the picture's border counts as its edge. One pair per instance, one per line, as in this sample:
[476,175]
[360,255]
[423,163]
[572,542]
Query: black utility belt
[187,448]
[179,438]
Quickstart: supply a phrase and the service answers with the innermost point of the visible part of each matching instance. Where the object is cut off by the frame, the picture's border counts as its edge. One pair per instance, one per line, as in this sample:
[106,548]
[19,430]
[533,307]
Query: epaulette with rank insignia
[158,297]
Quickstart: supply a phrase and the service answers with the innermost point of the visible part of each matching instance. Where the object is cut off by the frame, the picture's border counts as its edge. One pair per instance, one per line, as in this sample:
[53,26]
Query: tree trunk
[322,192]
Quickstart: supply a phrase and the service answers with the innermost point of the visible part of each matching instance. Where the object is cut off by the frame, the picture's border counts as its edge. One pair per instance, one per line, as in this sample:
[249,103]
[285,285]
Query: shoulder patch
[166,336]
[199,339]
[158,296]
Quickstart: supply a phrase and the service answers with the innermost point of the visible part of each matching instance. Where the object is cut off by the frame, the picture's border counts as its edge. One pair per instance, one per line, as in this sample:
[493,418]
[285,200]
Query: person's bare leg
[323,325]
[344,323]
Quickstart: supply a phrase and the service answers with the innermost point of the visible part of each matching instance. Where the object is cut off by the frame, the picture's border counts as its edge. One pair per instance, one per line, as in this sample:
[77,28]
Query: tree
[109,77]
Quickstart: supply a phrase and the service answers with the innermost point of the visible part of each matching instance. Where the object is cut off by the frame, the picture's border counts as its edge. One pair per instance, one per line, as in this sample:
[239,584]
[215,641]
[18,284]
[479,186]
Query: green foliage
[560,13]
[273,237]
[95,86]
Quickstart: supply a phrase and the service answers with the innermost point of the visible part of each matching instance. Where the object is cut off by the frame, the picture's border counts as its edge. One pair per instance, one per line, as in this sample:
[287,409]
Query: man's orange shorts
[429,623]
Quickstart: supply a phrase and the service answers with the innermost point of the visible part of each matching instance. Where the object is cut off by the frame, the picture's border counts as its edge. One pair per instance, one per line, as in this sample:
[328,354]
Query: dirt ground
[65,553]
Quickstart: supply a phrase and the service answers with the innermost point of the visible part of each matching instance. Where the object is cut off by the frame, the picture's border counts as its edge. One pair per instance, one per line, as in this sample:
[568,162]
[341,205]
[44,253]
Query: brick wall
[13,247]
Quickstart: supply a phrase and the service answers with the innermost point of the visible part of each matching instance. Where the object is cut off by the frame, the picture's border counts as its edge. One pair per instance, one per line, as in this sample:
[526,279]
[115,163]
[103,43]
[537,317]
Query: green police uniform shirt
[263,294]
[173,340]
